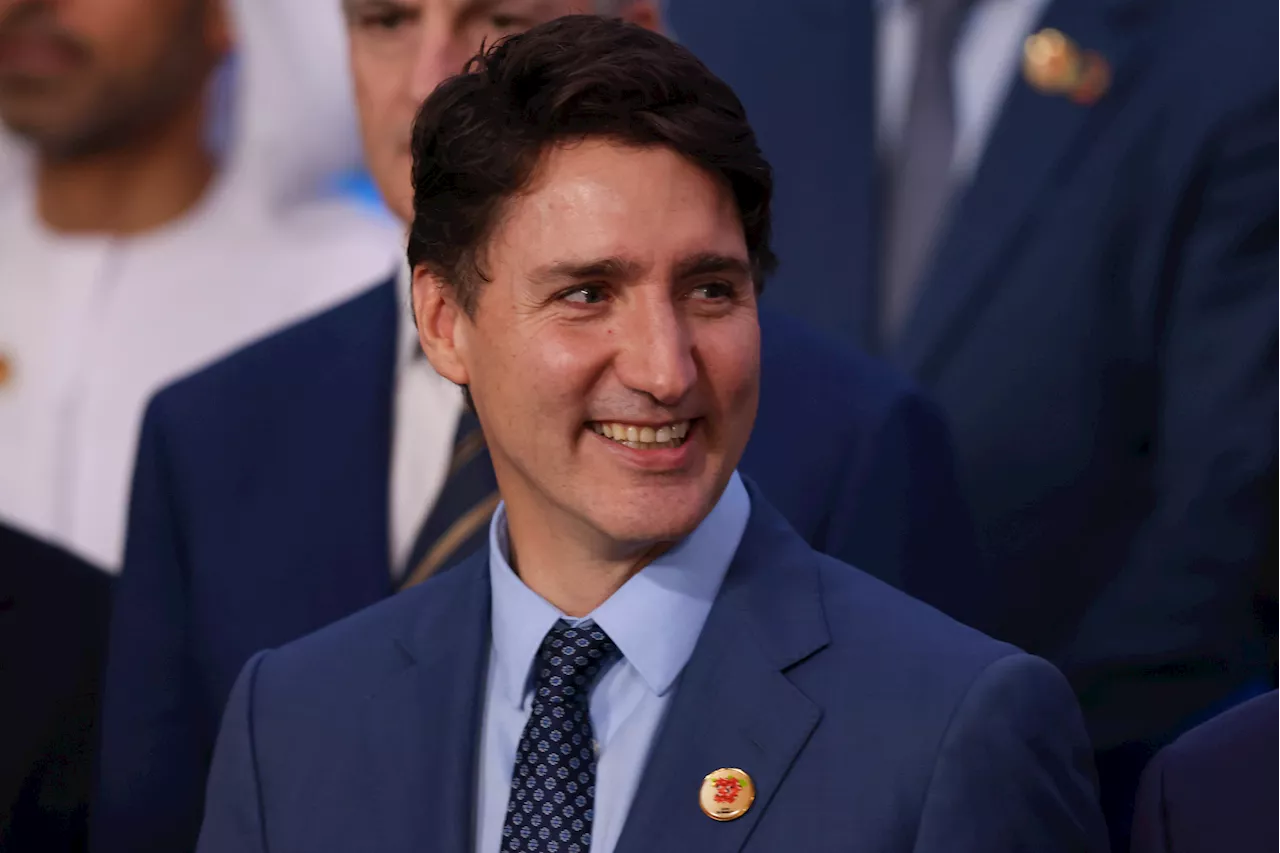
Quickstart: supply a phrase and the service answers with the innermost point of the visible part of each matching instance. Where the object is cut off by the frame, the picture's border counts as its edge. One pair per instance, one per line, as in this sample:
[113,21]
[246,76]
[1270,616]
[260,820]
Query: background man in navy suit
[1214,788]
[646,657]
[317,472]
[1060,217]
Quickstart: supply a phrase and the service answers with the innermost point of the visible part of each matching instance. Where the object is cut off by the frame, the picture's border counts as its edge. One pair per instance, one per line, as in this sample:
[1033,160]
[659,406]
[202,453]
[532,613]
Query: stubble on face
[619,302]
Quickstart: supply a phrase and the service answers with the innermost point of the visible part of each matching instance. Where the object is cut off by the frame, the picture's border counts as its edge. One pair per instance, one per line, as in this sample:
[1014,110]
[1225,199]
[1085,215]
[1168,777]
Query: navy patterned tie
[553,786]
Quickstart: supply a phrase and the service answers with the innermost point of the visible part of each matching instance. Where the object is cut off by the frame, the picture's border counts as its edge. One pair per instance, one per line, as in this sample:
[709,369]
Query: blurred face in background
[80,77]
[402,49]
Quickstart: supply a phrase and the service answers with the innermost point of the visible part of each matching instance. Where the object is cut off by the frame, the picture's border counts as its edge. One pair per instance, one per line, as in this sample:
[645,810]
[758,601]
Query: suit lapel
[1033,134]
[423,726]
[734,706]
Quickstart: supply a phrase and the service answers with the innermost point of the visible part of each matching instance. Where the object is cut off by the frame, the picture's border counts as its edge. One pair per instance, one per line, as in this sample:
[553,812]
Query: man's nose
[656,355]
[437,56]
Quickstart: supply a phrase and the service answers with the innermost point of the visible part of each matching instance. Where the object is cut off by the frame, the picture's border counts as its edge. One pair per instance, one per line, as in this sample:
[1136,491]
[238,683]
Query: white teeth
[644,438]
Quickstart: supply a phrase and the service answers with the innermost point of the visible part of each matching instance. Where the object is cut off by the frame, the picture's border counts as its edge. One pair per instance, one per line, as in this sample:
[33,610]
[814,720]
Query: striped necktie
[458,523]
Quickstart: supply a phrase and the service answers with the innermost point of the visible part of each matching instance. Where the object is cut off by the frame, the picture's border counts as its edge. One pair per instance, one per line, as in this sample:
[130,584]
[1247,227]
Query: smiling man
[329,466]
[645,656]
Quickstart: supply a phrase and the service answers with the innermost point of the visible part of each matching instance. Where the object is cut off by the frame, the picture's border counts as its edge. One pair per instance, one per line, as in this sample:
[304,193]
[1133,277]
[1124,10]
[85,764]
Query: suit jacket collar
[424,722]
[767,618]
[423,725]
[1034,136]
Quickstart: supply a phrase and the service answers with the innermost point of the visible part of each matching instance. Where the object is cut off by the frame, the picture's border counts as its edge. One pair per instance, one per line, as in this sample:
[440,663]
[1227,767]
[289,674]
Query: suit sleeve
[233,821]
[154,745]
[1179,612]
[1014,772]
[1149,833]
[899,513]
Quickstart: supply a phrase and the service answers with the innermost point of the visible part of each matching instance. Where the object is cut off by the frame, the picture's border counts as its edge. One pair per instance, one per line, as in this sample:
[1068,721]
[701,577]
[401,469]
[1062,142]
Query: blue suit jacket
[866,720]
[1214,789]
[260,514]
[1098,323]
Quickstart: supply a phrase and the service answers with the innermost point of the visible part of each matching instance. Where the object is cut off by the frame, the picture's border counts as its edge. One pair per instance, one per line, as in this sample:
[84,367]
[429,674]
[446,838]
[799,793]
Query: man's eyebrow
[707,263]
[612,268]
[353,7]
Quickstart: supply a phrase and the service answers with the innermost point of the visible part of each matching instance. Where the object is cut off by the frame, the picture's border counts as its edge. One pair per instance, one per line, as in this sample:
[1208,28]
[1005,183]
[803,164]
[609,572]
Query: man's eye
[589,294]
[714,290]
[387,20]
[508,23]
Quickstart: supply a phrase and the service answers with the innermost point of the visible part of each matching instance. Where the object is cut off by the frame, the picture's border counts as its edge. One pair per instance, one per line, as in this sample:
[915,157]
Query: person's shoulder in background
[1215,788]
[861,463]
[53,626]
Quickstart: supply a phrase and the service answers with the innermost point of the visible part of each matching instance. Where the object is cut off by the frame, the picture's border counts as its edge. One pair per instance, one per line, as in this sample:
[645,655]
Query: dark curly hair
[479,136]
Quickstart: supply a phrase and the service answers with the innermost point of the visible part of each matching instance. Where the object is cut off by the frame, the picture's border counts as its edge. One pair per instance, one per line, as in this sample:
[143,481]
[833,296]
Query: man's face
[82,76]
[402,49]
[613,354]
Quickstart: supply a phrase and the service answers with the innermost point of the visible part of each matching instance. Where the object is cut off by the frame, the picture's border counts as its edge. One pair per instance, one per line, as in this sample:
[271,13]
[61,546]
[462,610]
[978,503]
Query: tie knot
[569,661]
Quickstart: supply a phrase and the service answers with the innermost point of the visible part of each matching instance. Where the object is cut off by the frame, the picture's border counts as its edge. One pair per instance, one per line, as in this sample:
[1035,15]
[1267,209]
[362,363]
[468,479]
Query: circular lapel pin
[726,794]
[1050,62]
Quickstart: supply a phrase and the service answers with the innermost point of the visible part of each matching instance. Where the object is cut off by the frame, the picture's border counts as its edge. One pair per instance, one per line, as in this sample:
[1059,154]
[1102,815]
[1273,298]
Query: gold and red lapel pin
[1055,65]
[726,794]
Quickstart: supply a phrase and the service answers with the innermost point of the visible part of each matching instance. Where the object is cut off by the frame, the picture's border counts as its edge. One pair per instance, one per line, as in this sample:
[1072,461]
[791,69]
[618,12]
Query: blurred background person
[1060,217]
[129,252]
[1214,788]
[152,217]
[322,469]
[51,602]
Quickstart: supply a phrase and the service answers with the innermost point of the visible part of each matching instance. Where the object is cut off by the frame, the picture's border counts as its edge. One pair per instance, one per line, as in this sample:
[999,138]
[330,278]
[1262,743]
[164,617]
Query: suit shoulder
[350,657]
[864,612]
[813,368]
[276,359]
[1227,743]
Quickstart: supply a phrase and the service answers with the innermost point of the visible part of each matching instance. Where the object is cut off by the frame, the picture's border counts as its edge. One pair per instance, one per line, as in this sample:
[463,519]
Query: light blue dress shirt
[654,619]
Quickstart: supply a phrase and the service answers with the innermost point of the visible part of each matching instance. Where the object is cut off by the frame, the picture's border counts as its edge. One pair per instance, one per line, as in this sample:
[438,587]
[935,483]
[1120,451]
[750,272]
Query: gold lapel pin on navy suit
[726,794]
[1055,65]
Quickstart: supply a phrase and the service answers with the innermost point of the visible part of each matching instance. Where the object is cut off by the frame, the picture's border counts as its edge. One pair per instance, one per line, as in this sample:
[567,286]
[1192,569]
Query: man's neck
[153,182]
[574,573]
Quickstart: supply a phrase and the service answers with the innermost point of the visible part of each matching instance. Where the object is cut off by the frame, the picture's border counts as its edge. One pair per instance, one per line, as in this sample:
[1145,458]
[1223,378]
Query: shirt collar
[407,347]
[654,619]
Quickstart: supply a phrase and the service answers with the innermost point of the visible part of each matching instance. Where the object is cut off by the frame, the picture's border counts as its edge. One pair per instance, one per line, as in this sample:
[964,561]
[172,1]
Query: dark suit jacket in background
[260,514]
[866,720]
[1214,789]
[1098,324]
[53,629]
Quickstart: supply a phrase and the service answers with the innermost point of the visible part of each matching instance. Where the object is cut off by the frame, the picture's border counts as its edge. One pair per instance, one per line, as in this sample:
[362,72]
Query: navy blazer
[866,720]
[1214,789]
[260,514]
[1098,322]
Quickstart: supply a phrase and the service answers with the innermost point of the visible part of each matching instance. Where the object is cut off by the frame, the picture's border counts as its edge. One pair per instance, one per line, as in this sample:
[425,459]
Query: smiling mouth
[636,437]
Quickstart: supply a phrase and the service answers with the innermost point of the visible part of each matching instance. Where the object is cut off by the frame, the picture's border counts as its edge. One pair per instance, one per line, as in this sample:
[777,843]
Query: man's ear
[442,326]
[643,12]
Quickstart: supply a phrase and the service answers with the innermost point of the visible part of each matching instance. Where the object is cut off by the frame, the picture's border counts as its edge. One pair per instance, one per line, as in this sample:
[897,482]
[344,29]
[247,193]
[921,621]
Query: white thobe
[91,327]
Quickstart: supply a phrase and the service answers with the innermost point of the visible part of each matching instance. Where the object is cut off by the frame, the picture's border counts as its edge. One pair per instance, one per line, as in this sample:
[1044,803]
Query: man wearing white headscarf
[132,250]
